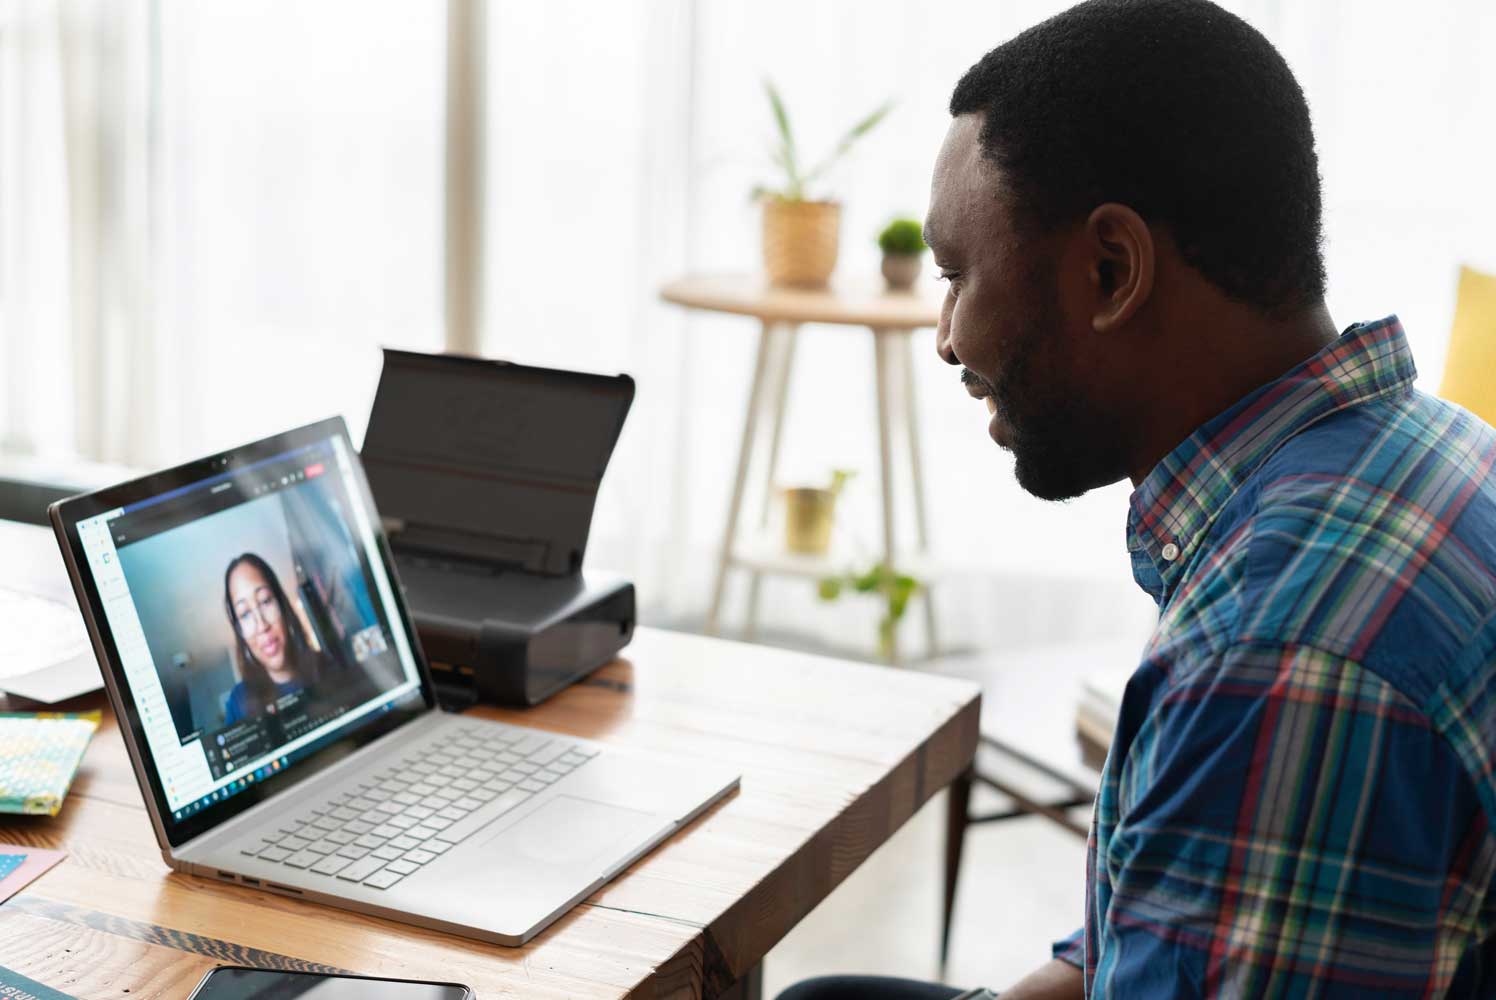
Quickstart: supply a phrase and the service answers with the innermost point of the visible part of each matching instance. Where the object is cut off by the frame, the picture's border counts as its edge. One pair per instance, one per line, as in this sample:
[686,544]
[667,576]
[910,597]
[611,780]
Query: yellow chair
[1470,369]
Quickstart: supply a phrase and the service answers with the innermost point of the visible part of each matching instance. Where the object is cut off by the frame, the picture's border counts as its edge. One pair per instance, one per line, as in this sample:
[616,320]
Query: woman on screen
[274,656]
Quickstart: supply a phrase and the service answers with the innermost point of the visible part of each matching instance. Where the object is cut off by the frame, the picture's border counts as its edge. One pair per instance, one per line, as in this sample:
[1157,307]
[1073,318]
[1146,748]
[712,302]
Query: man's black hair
[1175,108]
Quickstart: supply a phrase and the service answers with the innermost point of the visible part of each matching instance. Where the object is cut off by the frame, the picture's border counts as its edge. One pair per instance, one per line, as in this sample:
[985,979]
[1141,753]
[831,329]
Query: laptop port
[249,881]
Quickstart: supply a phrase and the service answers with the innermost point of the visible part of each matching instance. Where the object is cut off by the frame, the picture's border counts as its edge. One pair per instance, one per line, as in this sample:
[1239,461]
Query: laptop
[280,716]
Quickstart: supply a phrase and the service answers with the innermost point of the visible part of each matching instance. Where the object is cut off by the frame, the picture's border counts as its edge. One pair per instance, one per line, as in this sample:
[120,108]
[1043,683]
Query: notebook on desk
[280,716]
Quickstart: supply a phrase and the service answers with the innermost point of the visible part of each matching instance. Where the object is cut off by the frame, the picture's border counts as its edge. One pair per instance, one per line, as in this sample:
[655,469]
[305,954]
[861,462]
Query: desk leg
[745,458]
[883,362]
[750,987]
[917,472]
[785,336]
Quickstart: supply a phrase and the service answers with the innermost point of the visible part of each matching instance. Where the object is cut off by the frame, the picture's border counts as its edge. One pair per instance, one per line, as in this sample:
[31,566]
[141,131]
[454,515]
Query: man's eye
[950,276]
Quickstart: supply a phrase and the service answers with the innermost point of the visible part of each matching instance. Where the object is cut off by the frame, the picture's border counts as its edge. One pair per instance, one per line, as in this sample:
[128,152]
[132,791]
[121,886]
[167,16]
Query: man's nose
[943,337]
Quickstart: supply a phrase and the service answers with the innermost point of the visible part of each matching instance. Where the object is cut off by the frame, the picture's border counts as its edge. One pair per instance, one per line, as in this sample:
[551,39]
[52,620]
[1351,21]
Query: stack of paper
[1096,711]
[40,756]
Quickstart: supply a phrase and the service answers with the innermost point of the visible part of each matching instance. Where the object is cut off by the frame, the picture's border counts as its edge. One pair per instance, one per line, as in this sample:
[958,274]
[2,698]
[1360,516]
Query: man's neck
[1206,372]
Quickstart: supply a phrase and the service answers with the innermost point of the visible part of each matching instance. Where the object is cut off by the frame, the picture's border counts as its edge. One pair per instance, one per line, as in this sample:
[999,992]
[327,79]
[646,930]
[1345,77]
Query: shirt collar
[1175,505]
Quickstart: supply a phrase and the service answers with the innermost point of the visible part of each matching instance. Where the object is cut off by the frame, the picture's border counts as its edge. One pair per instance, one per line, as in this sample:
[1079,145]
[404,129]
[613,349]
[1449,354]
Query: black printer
[486,474]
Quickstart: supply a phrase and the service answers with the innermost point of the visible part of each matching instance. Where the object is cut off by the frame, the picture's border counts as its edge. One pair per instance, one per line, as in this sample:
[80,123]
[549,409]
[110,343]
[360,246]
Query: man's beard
[1058,449]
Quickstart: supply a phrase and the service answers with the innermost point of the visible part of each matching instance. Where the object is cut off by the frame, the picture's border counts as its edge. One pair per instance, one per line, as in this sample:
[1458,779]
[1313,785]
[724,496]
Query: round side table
[890,317]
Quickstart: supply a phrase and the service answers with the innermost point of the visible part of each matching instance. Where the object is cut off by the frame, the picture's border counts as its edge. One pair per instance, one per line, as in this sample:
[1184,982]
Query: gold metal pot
[809,513]
[800,241]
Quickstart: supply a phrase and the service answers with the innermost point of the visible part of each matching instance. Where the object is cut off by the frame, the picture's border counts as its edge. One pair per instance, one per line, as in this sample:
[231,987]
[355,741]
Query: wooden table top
[835,756]
[847,303]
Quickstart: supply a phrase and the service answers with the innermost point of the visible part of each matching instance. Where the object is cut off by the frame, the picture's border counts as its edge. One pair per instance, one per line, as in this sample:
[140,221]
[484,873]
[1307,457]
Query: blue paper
[14,986]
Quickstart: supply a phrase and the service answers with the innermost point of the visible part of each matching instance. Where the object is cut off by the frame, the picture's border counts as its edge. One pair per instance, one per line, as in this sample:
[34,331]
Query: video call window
[259,616]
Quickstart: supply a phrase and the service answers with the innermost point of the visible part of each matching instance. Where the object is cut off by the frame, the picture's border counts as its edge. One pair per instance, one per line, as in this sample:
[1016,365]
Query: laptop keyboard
[384,829]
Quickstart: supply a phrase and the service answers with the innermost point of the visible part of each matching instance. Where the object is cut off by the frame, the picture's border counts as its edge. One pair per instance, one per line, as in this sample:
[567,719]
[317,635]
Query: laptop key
[352,851]
[407,798]
[554,750]
[482,795]
[358,827]
[547,776]
[437,823]
[465,784]
[423,832]
[386,831]
[419,857]
[331,865]
[531,786]
[324,846]
[361,869]
[480,818]
[370,841]
[342,837]
[295,843]
[387,853]
[361,803]
[383,879]
[419,812]
[403,822]
[276,854]
[303,859]
[455,812]
[436,846]
[405,843]
[403,867]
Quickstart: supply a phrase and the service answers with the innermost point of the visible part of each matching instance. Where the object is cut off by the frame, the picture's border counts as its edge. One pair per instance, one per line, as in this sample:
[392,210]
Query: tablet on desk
[239,983]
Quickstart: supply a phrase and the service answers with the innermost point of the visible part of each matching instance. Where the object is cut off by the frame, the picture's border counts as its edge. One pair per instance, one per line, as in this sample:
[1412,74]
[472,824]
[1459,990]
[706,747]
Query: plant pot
[901,270]
[800,241]
[809,513]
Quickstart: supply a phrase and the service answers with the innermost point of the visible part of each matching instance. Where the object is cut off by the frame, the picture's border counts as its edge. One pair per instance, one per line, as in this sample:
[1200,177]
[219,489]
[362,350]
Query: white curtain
[214,214]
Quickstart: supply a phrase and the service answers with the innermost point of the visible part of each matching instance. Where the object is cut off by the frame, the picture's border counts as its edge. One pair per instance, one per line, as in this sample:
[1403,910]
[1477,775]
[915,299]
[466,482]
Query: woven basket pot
[800,241]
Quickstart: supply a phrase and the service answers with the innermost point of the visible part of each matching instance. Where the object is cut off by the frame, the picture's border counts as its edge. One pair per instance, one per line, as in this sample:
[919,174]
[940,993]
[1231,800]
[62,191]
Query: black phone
[233,982]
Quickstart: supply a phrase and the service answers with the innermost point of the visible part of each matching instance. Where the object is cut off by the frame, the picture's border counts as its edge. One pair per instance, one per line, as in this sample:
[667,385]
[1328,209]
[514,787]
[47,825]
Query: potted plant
[895,589]
[801,233]
[903,244]
[809,514]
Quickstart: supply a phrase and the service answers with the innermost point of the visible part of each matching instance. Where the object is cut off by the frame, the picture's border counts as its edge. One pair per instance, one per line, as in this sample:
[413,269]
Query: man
[1300,794]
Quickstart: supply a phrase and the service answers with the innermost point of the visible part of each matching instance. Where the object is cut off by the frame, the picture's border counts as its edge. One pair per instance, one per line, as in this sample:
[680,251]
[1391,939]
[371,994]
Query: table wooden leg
[916,470]
[883,342]
[740,481]
[785,337]
[957,817]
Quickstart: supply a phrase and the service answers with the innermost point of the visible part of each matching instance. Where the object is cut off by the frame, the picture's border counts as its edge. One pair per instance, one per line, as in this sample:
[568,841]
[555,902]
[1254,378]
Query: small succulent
[902,236]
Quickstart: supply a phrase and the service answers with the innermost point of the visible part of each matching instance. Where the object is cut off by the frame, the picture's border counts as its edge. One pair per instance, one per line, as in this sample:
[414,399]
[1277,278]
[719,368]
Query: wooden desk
[835,756]
[891,317]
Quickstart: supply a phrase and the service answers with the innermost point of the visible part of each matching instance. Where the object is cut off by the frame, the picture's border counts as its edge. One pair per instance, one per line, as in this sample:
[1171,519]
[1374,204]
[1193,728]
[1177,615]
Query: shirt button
[1170,552]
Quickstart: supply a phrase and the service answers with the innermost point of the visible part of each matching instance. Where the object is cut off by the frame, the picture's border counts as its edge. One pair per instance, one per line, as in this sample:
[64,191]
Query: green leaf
[856,132]
[829,589]
[785,155]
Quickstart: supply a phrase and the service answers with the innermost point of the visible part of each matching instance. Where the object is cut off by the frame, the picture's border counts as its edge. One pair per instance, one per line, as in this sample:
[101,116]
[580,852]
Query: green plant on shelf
[893,587]
[785,154]
[902,236]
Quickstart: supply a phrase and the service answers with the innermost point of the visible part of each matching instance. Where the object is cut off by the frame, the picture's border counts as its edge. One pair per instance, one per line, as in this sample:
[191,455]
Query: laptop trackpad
[573,833]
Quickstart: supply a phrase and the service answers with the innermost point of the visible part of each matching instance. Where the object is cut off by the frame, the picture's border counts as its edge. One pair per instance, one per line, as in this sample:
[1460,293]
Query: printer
[486,474]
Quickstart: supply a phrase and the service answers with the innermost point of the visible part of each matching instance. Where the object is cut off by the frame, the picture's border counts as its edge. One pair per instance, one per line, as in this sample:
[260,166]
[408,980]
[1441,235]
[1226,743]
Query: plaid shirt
[1300,795]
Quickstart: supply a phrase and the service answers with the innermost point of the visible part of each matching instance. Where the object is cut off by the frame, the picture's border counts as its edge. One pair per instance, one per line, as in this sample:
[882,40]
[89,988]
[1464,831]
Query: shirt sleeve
[1072,949]
[1285,823]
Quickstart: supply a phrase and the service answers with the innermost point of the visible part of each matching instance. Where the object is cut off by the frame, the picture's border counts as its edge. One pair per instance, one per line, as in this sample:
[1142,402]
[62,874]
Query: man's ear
[1121,273]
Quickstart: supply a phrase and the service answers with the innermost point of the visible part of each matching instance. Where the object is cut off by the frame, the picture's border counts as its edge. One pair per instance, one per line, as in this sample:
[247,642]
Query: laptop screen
[254,621]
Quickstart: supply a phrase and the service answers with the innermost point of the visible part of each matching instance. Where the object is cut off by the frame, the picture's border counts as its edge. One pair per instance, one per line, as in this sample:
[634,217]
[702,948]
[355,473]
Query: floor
[1022,886]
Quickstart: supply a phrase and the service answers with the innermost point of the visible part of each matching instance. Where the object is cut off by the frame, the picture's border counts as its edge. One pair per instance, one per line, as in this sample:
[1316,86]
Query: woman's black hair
[300,656]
